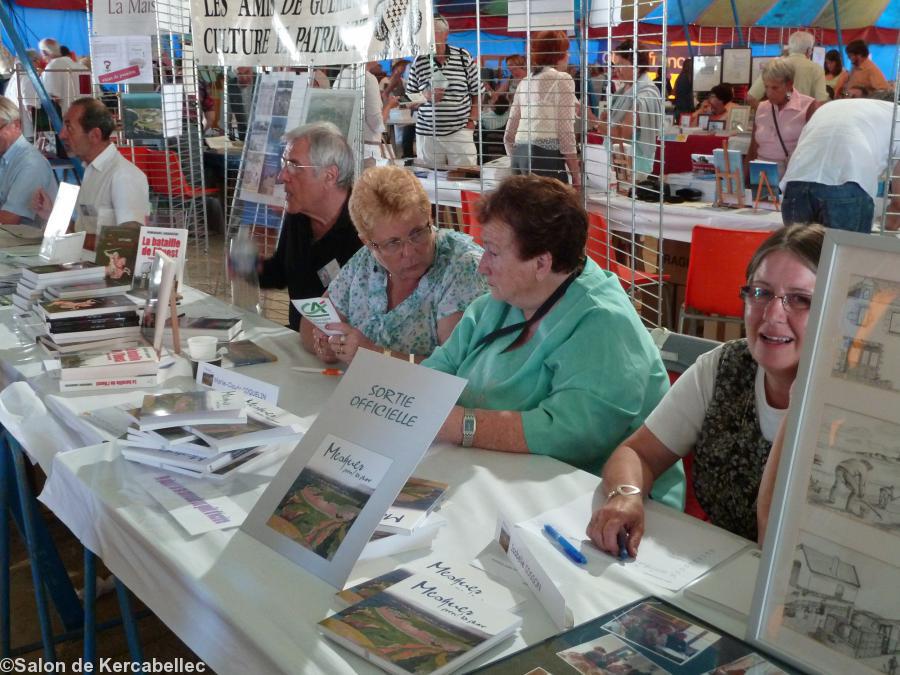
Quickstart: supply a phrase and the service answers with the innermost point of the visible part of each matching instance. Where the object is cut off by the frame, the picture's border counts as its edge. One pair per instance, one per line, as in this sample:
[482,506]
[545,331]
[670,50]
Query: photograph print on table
[608,654]
[328,495]
[869,353]
[834,597]
[662,633]
[856,468]
[749,664]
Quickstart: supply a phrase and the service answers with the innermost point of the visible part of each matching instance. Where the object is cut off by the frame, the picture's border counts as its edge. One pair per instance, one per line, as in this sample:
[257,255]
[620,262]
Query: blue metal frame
[837,29]
[6,20]
[687,29]
[737,22]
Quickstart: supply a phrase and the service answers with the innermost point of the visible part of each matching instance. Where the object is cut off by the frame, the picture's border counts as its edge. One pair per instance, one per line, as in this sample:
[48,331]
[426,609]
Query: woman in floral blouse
[405,290]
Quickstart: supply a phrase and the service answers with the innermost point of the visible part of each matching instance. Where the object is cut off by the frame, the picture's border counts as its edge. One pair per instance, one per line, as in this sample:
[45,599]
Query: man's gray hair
[327,147]
[440,24]
[9,112]
[50,46]
[779,70]
[801,42]
[883,95]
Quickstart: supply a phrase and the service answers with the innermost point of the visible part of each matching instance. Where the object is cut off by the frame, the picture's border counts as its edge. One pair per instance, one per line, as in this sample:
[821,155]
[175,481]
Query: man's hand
[41,203]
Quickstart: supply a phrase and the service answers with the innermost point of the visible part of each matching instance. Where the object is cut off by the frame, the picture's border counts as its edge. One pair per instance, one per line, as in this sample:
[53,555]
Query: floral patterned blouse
[360,293]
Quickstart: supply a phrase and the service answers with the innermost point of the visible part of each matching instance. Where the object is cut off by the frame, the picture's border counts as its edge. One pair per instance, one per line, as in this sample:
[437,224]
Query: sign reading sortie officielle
[309,32]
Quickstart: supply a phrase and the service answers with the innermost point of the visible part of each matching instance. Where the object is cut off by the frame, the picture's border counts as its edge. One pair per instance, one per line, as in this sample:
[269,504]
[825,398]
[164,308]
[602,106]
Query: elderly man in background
[864,75]
[114,191]
[61,76]
[21,91]
[317,237]
[835,183]
[809,77]
[449,81]
[22,169]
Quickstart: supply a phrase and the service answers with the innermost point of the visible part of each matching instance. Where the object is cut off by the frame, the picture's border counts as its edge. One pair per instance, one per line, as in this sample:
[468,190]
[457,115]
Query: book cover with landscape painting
[420,625]
[328,495]
[159,411]
[416,500]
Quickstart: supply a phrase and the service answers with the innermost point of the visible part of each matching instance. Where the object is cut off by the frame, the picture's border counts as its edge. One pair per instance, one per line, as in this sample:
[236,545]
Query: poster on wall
[123,17]
[279,106]
[294,32]
[125,59]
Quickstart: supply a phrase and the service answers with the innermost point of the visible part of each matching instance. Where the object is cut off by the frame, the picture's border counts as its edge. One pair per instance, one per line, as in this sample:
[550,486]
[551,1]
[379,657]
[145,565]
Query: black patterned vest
[731,453]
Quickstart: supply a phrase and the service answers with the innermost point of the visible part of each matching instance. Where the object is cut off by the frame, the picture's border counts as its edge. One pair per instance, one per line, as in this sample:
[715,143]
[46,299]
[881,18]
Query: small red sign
[119,75]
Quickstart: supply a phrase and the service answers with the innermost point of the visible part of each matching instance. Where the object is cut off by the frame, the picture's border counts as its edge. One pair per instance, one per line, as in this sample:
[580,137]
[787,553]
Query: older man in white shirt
[114,191]
[809,77]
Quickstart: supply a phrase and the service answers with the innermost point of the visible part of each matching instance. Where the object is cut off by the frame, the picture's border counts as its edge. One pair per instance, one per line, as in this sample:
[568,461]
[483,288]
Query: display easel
[729,181]
[622,166]
[771,195]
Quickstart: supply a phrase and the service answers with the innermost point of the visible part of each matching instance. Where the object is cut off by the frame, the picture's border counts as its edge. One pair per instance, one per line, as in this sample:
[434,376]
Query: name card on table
[221,379]
[326,501]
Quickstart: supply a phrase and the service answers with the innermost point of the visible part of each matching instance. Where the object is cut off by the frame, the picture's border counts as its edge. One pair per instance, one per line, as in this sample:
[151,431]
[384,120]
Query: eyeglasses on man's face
[759,297]
[418,237]
[292,167]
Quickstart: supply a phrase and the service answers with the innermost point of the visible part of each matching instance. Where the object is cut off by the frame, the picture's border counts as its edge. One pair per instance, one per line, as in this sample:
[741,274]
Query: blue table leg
[42,551]
[28,519]
[128,623]
[90,607]
[5,478]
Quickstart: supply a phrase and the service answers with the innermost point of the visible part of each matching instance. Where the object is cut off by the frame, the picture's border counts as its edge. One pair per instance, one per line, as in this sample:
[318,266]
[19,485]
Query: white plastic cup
[203,347]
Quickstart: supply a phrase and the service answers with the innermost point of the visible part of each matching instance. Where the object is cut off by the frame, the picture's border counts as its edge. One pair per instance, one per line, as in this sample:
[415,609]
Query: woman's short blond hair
[385,192]
[778,70]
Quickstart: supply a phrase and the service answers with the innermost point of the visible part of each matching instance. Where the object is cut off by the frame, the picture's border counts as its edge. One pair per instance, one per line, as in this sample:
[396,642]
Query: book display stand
[729,181]
[770,195]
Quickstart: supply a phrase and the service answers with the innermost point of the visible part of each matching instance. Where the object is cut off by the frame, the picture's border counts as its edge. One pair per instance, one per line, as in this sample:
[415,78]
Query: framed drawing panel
[828,592]
[707,72]
[736,65]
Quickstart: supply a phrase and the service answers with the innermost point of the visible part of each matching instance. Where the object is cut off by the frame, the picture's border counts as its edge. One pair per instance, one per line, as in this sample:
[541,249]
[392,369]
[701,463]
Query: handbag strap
[787,155]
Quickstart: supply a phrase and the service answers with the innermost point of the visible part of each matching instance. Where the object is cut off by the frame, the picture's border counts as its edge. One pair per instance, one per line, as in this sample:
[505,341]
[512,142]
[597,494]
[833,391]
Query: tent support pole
[837,28]
[737,22]
[687,30]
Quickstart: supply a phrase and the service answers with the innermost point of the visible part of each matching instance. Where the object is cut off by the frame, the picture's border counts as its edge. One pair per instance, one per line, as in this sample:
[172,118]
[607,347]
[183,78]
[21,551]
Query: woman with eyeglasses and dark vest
[405,290]
[557,360]
[728,408]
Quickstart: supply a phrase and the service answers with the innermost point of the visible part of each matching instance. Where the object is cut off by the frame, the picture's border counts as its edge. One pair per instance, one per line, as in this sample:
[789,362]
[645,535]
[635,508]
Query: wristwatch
[624,490]
[468,427]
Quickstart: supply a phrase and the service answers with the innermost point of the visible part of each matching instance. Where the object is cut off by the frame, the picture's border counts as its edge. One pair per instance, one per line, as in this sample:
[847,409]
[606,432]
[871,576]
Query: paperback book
[169,240]
[113,363]
[246,353]
[222,437]
[222,328]
[416,500]
[127,331]
[420,625]
[53,348]
[462,576]
[182,459]
[70,308]
[87,323]
[646,636]
[383,544]
[116,252]
[41,276]
[133,382]
[92,289]
[191,408]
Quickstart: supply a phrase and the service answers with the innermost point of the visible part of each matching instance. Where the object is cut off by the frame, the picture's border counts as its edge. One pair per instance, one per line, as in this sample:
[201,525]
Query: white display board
[124,59]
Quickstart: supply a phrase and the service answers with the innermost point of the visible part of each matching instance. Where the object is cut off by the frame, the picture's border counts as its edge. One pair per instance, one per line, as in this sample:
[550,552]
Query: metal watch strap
[468,427]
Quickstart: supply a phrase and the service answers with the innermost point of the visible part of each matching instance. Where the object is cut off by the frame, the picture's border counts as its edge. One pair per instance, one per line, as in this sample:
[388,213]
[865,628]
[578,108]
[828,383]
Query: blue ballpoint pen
[622,540]
[571,552]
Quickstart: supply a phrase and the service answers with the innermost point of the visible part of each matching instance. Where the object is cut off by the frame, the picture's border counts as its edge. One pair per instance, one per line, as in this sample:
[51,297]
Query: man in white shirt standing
[61,76]
[809,77]
[374,112]
[835,182]
[114,191]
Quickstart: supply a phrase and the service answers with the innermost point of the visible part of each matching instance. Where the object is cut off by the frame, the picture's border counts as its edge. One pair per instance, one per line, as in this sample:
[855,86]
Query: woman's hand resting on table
[622,513]
[343,346]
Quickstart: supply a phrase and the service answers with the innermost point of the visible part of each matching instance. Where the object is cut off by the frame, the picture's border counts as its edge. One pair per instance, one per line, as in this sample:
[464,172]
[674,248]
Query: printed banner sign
[124,17]
[308,32]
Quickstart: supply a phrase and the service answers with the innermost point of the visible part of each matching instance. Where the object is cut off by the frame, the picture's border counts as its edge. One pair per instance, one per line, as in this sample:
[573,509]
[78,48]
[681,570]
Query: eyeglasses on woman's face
[759,298]
[417,238]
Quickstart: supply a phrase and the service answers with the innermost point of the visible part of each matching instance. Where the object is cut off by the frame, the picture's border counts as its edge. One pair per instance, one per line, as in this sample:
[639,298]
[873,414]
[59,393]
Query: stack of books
[114,369]
[36,278]
[88,319]
[424,623]
[411,522]
[204,434]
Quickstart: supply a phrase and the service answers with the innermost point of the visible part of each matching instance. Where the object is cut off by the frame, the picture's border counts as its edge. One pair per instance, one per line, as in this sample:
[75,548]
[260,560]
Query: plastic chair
[678,353]
[470,226]
[598,248]
[716,272]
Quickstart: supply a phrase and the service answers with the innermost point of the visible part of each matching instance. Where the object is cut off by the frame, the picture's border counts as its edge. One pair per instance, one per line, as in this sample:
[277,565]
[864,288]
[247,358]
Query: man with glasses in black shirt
[317,236]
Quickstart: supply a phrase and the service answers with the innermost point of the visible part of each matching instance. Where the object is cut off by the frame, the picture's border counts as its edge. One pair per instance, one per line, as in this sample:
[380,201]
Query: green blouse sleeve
[604,382]
[448,356]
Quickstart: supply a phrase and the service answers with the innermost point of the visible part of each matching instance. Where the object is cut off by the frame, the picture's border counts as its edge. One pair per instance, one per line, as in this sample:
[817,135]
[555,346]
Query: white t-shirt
[114,191]
[845,141]
[61,79]
[678,418]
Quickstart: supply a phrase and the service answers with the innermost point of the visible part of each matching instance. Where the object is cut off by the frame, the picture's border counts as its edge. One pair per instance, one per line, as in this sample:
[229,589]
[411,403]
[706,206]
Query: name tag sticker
[328,273]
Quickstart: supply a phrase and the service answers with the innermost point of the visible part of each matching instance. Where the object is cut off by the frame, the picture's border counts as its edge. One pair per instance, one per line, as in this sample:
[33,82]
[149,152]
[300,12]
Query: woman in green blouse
[557,360]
